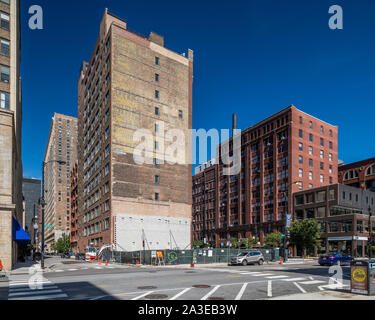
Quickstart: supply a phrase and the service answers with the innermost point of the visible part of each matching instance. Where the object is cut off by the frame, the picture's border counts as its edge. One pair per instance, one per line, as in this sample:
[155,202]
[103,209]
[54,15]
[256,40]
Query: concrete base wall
[158,232]
[6,251]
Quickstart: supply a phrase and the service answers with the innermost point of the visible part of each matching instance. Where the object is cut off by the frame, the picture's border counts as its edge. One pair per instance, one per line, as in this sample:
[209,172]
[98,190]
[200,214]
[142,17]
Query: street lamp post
[43,204]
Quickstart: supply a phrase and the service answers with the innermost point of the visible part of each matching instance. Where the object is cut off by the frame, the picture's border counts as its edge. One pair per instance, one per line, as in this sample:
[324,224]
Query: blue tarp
[19,234]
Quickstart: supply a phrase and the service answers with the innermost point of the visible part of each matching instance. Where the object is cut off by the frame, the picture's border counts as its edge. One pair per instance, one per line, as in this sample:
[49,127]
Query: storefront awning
[19,234]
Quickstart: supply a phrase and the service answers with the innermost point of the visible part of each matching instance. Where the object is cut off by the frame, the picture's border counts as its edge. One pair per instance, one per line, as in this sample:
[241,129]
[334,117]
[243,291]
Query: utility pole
[370,233]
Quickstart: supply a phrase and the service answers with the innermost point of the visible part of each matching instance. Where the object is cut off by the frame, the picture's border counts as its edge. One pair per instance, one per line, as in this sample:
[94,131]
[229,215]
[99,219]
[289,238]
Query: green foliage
[248,243]
[197,243]
[305,234]
[63,244]
[273,240]
[234,243]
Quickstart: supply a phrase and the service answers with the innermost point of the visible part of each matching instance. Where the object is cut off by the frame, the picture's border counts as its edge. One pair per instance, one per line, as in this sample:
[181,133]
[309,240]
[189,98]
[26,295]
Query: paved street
[80,280]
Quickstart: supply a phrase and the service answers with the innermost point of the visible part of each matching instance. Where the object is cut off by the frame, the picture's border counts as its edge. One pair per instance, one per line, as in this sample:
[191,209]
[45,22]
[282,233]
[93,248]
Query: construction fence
[175,257]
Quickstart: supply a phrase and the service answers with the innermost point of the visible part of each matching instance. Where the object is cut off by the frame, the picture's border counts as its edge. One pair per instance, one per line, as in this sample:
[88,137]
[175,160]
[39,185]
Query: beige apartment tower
[131,83]
[61,146]
[11,206]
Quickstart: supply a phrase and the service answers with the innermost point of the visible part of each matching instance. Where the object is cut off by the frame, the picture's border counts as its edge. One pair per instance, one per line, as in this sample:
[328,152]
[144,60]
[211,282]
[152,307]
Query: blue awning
[19,234]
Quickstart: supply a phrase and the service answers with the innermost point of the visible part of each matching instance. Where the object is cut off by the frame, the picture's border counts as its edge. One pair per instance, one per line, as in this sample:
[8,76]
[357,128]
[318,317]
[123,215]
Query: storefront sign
[359,281]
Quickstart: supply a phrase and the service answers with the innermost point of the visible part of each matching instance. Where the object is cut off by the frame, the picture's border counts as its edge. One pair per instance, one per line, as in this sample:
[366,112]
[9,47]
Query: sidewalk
[325,295]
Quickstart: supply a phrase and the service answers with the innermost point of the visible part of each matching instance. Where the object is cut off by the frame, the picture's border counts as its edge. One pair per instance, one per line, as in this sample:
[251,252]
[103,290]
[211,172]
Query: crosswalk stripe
[263,274]
[277,277]
[31,293]
[43,297]
[180,294]
[210,293]
[20,284]
[25,288]
[250,272]
[241,292]
[294,279]
[312,282]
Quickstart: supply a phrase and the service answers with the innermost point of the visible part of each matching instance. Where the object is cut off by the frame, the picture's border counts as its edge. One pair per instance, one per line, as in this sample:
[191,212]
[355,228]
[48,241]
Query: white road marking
[312,282]
[277,277]
[250,272]
[299,287]
[59,270]
[24,288]
[210,293]
[262,274]
[98,267]
[180,294]
[72,269]
[241,292]
[42,297]
[294,279]
[23,284]
[142,295]
[32,293]
[269,289]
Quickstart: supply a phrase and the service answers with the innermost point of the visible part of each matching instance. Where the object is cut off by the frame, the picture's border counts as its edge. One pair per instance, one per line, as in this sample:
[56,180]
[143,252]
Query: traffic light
[287,234]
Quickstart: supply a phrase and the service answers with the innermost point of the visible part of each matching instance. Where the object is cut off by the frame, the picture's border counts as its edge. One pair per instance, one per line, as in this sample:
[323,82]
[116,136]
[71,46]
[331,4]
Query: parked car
[245,258]
[338,258]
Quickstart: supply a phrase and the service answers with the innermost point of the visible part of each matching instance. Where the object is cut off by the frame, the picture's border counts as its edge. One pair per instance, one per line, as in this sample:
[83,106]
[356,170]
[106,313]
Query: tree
[274,239]
[248,242]
[63,244]
[305,234]
[234,243]
[197,243]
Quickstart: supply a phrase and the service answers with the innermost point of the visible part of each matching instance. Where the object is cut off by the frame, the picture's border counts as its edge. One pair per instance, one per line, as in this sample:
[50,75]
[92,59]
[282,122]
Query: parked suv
[246,258]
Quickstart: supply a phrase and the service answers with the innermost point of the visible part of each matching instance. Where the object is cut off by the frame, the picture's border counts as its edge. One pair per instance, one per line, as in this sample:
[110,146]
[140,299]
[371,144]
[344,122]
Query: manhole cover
[215,298]
[147,287]
[201,286]
[156,296]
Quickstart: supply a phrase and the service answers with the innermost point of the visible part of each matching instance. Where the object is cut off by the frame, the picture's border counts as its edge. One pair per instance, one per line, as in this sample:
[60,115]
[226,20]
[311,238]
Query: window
[322,142]
[300,173]
[310,163]
[330,133]
[310,137]
[156,127]
[156,77]
[321,196]
[310,125]
[330,168]
[300,134]
[330,157]
[300,185]
[5,47]
[180,114]
[157,61]
[310,150]
[156,179]
[300,159]
[107,149]
[300,120]
[156,145]
[5,1]
[322,178]
[321,154]
[156,111]
[300,147]
[106,169]
[4,74]
[156,196]
[322,166]
[4,100]
[4,21]
[156,94]
[310,175]
[321,130]
[156,162]
[330,145]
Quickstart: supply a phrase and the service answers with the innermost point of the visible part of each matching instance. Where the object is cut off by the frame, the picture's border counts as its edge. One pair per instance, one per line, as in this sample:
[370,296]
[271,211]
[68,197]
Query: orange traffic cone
[90,259]
[281,261]
[1,266]
[100,261]
[106,263]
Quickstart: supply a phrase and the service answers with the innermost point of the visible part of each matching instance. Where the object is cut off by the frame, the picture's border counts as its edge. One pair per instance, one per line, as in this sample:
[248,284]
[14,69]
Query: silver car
[245,258]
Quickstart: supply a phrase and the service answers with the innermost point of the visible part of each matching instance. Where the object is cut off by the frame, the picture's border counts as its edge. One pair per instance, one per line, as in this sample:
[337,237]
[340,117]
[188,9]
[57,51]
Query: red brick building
[74,208]
[205,209]
[289,151]
[359,174]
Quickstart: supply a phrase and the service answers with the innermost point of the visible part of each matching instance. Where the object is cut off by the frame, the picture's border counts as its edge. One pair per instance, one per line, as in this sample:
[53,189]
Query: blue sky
[251,57]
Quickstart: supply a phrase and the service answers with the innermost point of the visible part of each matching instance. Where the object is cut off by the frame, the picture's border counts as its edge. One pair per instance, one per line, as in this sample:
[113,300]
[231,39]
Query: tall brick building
[61,146]
[11,206]
[74,208]
[132,82]
[360,174]
[288,152]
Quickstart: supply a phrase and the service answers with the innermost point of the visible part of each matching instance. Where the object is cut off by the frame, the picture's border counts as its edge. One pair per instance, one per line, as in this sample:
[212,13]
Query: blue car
[338,258]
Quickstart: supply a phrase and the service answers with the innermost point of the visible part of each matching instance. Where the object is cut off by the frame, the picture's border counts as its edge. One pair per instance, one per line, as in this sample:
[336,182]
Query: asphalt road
[84,281]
